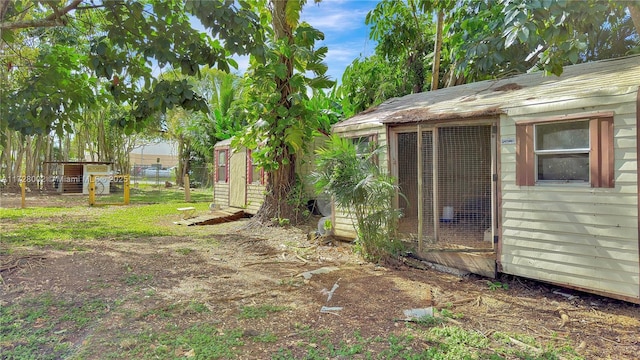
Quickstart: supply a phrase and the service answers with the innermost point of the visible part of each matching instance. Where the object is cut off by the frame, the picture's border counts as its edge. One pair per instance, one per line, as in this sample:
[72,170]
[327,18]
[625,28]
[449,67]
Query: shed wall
[575,236]
[255,197]
[342,221]
[221,193]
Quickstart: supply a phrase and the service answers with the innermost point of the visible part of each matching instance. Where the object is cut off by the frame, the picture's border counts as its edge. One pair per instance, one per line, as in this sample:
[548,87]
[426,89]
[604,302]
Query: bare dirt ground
[148,279]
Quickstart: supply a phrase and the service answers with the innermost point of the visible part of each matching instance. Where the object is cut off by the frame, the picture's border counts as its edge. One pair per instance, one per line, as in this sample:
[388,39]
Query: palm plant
[358,185]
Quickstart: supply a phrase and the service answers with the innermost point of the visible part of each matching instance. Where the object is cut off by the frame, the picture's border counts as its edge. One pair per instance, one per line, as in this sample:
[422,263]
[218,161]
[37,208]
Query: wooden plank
[596,262]
[478,263]
[532,236]
[559,195]
[586,229]
[562,216]
[627,287]
[215,217]
[627,252]
[628,210]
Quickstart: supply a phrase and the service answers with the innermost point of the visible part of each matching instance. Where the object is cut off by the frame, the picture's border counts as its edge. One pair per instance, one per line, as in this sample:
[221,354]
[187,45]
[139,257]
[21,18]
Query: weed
[135,279]
[446,313]
[184,251]
[267,337]
[198,307]
[497,285]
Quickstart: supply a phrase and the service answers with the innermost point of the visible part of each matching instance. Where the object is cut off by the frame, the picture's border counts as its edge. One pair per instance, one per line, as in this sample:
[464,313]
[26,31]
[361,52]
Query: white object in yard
[447,213]
[418,313]
[187,212]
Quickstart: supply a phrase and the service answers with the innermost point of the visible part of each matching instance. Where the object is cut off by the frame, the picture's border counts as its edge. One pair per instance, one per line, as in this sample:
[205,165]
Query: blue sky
[345,34]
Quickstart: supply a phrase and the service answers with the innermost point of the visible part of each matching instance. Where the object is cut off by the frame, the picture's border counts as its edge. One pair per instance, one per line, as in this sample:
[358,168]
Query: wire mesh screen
[459,215]
[464,186]
[428,233]
[407,175]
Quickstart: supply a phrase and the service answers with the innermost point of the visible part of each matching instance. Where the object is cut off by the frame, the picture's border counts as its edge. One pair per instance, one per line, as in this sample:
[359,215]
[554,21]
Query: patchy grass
[259,312]
[147,194]
[57,227]
[37,328]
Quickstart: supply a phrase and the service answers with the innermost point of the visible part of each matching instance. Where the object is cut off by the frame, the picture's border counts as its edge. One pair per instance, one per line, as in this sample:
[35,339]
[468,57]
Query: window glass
[562,151]
[222,165]
[564,167]
[256,174]
[559,136]
[362,145]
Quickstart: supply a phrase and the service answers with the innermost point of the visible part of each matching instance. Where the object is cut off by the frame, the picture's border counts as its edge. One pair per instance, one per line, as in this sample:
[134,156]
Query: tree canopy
[484,39]
[81,46]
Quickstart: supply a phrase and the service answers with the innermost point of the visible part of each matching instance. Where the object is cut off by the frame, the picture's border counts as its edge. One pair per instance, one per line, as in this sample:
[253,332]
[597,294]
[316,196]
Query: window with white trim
[564,152]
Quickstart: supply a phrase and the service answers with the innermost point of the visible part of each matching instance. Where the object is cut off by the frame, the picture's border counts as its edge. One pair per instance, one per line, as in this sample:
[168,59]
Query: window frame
[370,139]
[572,151]
[250,172]
[601,151]
[226,165]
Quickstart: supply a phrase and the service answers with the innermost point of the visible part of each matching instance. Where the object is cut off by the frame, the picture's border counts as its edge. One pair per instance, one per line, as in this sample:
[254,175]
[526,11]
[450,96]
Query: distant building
[148,154]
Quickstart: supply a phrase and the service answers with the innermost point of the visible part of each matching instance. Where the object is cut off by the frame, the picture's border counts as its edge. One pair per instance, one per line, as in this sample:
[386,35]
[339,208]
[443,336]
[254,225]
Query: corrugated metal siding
[579,236]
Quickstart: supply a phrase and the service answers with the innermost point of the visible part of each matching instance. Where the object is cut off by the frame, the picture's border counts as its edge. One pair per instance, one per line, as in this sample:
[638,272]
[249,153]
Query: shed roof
[223,143]
[579,86]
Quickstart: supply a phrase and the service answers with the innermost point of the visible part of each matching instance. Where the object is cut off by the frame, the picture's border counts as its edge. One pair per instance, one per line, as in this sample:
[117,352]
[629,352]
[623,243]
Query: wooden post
[92,190]
[23,186]
[187,190]
[420,189]
[126,189]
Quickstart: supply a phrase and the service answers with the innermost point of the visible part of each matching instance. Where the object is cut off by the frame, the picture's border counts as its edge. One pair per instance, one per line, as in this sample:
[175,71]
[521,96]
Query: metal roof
[579,85]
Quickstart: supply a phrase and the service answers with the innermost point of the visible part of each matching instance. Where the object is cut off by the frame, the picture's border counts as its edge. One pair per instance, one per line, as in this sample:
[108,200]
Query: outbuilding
[239,183]
[72,177]
[531,175]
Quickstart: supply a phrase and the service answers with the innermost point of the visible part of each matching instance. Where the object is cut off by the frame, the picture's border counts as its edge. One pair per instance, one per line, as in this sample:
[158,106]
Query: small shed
[240,183]
[532,175]
[72,177]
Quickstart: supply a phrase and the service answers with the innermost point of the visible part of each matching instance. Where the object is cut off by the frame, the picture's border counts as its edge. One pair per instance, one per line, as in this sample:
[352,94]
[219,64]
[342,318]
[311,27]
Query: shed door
[446,176]
[72,179]
[238,179]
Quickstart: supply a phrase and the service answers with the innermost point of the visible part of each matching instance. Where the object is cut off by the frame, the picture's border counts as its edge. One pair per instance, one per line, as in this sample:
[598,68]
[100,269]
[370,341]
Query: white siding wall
[221,194]
[342,221]
[574,235]
[255,197]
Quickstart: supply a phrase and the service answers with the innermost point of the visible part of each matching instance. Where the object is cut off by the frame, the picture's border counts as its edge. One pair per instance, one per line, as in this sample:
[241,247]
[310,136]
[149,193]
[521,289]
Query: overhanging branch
[55,19]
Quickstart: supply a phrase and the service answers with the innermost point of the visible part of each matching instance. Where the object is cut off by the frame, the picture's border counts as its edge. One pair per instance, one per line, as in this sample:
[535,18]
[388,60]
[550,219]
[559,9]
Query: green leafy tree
[492,37]
[368,82]
[404,33]
[362,188]
[281,124]
[122,42]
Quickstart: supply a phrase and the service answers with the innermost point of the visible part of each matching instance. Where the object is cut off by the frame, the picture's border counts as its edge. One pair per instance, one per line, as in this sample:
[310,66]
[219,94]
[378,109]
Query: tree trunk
[634,11]
[275,208]
[435,72]
[282,180]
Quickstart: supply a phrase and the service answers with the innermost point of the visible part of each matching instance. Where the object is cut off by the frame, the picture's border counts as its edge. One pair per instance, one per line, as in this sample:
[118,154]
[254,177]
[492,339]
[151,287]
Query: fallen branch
[564,317]
[462,301]
[525,346]
[19,261]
